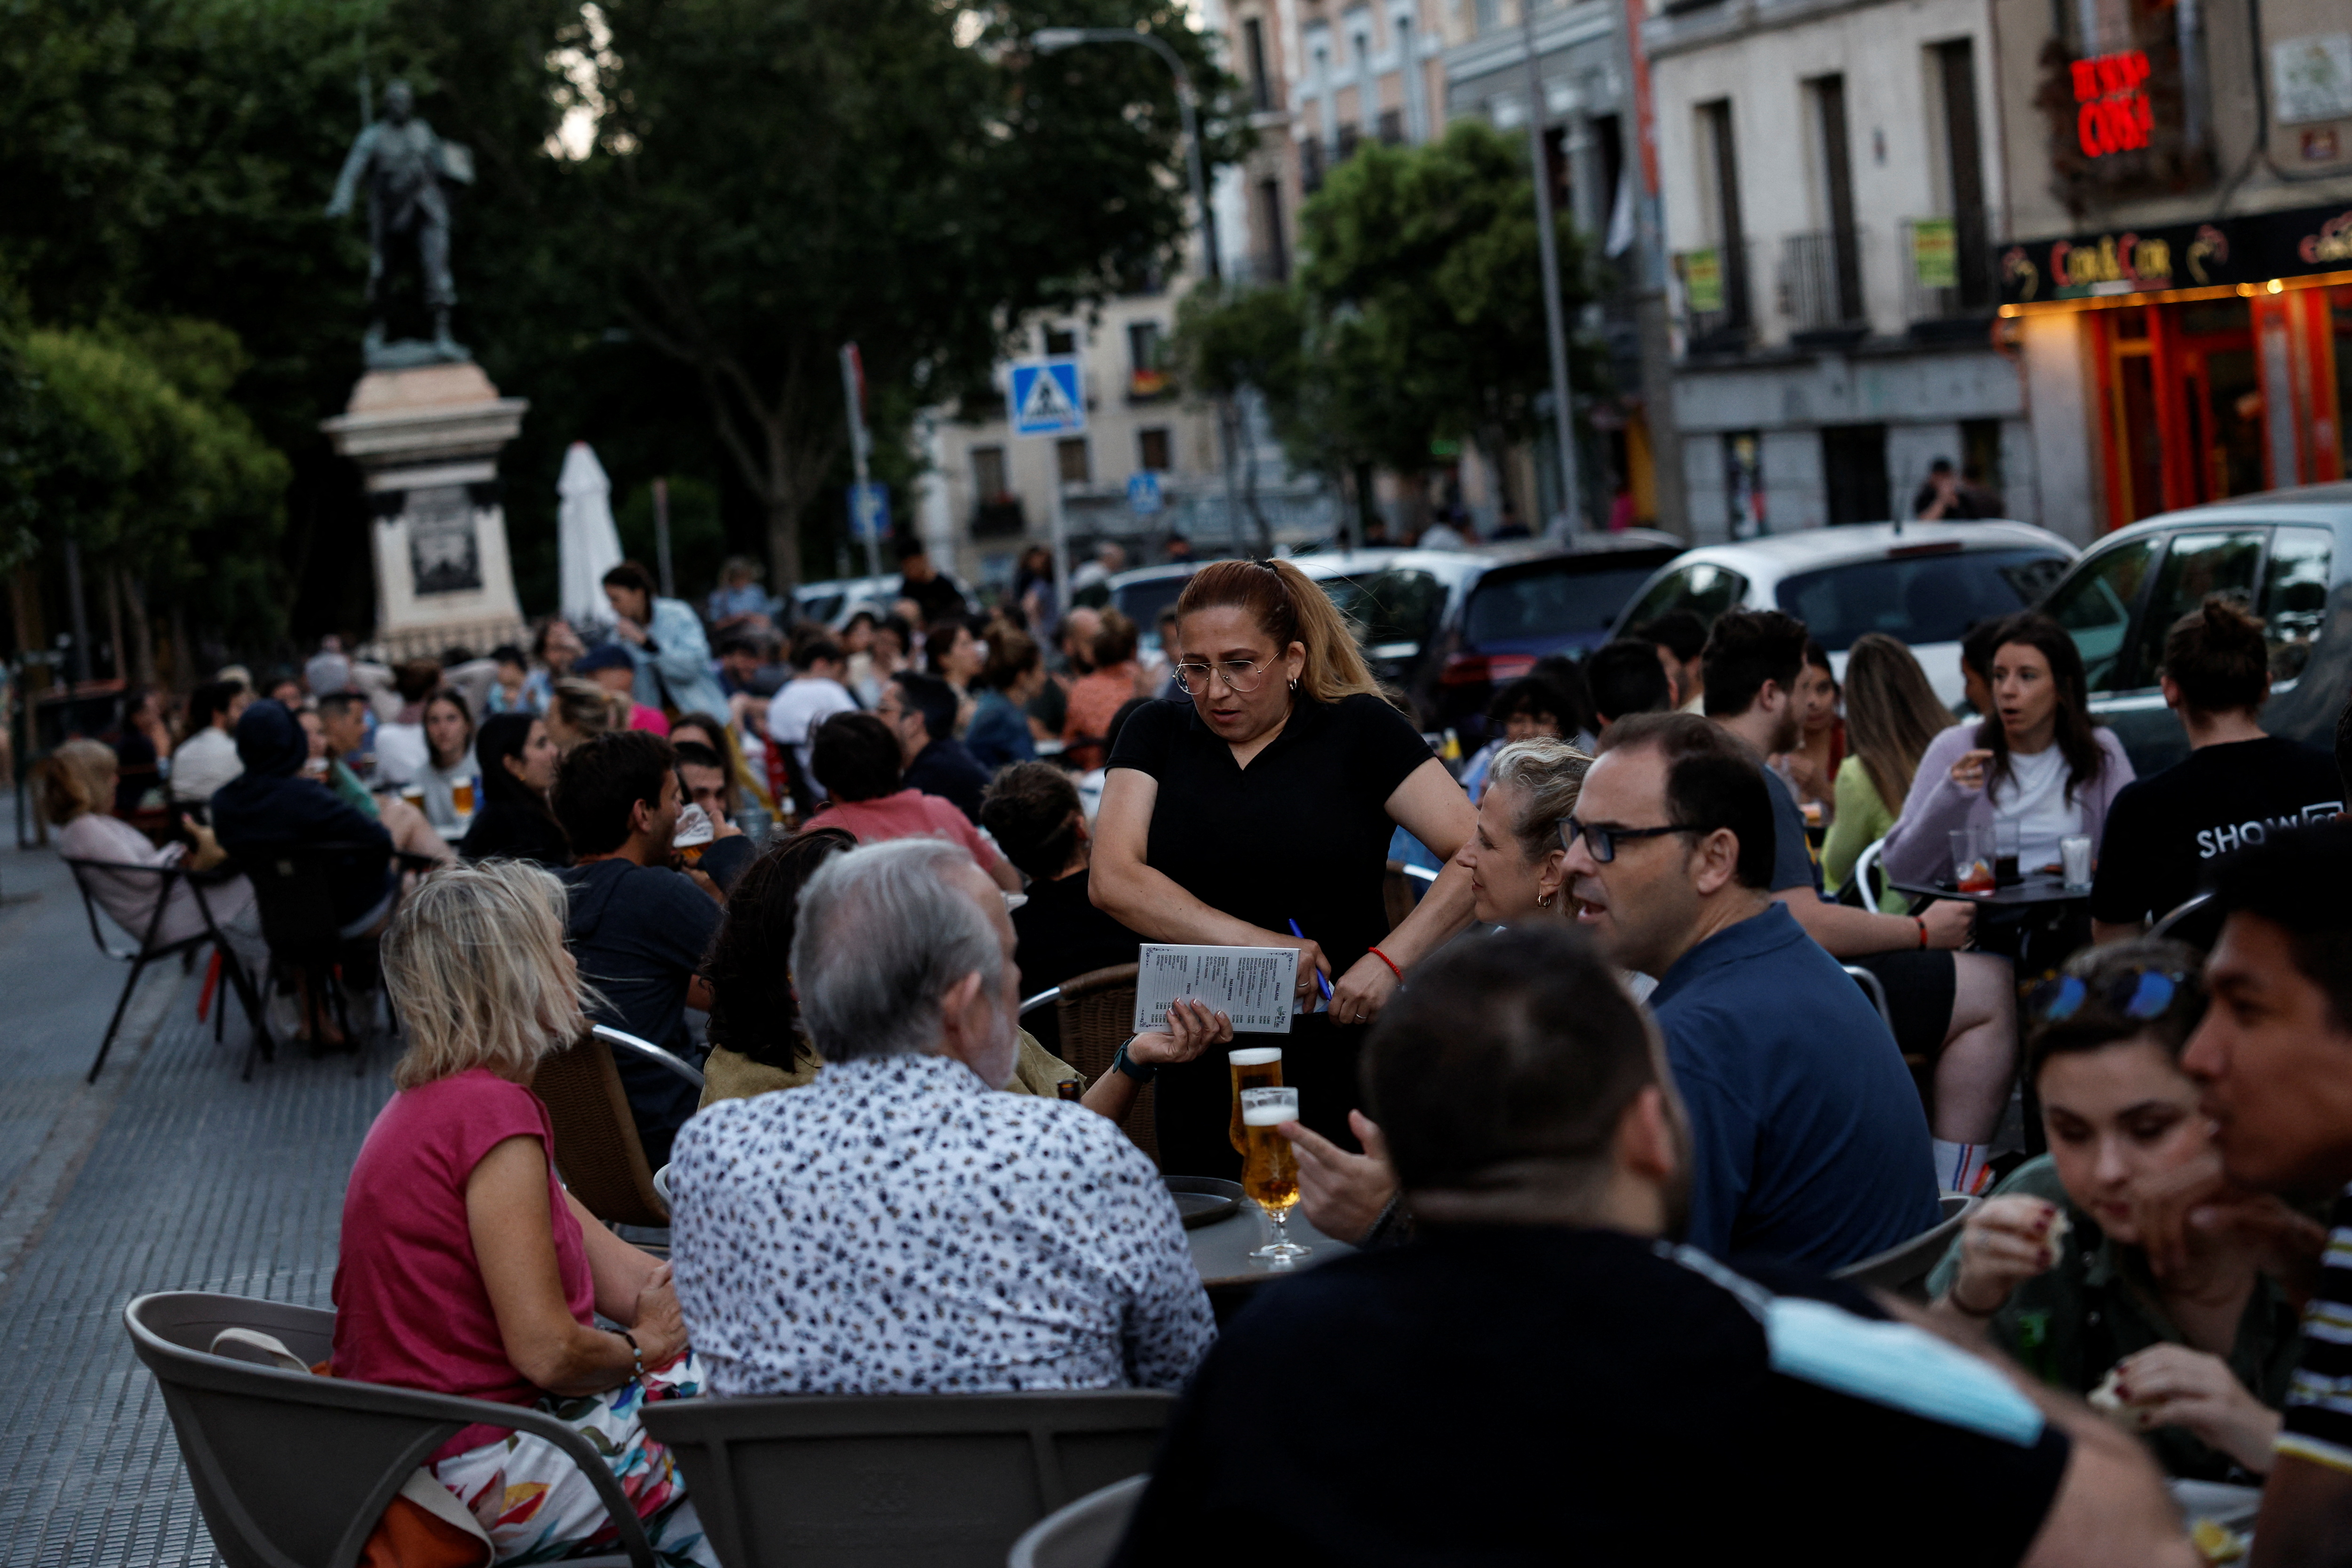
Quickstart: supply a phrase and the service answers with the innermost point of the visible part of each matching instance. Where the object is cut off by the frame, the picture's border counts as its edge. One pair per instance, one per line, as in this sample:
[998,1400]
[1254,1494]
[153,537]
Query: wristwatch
[1142,1072]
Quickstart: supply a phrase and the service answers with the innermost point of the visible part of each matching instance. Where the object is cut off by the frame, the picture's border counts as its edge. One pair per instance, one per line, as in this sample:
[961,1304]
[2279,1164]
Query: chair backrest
[935,1481]
[297,915]
[1903,1269]
[2189,922]
[290,1470]
[86,873]
[1085,1533]
[596,1146]
[1096,1013]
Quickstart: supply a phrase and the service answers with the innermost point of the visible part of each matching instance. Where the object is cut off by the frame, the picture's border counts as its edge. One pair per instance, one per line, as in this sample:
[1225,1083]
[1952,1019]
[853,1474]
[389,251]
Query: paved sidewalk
[168,1174]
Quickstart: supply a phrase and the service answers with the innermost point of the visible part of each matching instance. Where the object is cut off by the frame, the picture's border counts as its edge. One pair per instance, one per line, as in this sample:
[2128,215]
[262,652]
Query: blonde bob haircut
[476,963]
[81,775]
[1550,775]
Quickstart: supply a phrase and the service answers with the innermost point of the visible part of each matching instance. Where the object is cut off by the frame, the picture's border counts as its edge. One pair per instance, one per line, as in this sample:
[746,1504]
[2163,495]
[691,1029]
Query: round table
[2033,887]
[1221,1250]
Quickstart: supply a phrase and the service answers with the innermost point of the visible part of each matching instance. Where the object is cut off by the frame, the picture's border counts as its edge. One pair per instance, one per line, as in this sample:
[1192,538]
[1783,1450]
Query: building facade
[2179,280]
[1831,186]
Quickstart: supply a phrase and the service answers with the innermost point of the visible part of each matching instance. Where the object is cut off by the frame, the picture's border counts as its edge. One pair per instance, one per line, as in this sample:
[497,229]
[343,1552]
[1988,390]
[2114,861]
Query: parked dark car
[2287,553]
[1447,627]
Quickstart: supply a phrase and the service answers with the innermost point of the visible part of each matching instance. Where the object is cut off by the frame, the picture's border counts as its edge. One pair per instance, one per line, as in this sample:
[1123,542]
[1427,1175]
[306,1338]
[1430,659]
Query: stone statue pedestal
[427,439]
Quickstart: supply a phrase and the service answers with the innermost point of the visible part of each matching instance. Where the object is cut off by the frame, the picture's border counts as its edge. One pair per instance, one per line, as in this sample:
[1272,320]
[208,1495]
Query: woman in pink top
[856,759]
[465,1266]
[1095,698]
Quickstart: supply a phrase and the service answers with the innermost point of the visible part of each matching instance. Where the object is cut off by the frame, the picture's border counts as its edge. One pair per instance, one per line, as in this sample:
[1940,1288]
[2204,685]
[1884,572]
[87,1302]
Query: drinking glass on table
[1972,856]
[1260,1067]
[2005,869]
[1269,1171]
[461,797]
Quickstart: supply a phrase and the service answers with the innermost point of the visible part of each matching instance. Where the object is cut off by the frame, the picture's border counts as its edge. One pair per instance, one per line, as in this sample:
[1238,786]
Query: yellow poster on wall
[1934,253]
[1702,281]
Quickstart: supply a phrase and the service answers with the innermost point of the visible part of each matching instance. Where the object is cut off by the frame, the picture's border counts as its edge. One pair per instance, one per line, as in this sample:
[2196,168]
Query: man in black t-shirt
[1031,811]
[2166,834]
[638,928]
[1539,1377]
[919,580]
[921,712]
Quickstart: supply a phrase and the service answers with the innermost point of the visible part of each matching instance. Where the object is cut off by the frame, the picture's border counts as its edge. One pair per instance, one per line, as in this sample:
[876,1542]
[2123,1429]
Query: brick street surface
[169,1174]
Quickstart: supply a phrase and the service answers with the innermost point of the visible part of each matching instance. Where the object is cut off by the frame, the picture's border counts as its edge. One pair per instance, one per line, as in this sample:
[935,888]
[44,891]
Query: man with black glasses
[1808,1140]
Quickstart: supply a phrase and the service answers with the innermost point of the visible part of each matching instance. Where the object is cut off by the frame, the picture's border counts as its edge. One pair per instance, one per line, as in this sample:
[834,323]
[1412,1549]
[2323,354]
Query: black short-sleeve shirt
[1537,1396]
[1302,833]
[2168,834]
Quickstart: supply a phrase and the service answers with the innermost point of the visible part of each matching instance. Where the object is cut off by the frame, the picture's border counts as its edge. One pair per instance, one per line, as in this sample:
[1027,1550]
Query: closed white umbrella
[587,544]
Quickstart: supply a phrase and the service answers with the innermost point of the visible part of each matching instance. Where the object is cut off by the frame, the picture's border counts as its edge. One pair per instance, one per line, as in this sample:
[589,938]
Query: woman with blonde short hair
[466,1268]
[78,796]
[580,710]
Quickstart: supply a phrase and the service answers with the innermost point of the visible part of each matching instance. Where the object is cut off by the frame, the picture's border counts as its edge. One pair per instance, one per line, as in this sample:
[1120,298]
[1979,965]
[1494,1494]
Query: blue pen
[1321,984]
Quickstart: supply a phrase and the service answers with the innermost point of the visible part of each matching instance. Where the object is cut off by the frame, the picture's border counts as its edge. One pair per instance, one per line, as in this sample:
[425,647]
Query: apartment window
[1275,254]
[987,473]
[1730,234]
[1836,261]
[1061,341]
[1854,468]
[1310,166]
[1955,75]
[1147,357]
[1070,456]
[1151,449]
[1254,49]
[1391,126]
[1490,15]
[1349,138]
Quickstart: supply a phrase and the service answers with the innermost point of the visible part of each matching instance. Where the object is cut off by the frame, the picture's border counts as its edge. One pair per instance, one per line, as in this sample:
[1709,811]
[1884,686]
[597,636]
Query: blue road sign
[1047,400]
[1143,497]
[869,511]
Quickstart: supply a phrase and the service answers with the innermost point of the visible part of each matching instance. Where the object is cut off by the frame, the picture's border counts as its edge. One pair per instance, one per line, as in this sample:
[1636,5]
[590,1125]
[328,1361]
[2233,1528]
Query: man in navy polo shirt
[1808,1144]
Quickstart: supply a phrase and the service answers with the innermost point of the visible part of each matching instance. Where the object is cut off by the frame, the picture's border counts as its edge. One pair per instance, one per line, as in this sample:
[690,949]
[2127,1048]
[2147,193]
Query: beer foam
[1257,1056]
[1268,1116]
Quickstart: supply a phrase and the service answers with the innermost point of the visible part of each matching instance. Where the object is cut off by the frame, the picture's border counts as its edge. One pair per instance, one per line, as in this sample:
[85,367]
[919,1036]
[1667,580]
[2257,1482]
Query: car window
[2198,564]
[1702,588]
[1548,602]
[2094,605]
[1141,603]
[1398,606]
[821,606]
[1917,598]
[2294,596]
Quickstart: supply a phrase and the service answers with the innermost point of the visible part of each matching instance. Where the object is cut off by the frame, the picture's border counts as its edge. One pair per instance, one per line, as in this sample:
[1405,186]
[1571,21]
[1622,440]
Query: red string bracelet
[1384,959]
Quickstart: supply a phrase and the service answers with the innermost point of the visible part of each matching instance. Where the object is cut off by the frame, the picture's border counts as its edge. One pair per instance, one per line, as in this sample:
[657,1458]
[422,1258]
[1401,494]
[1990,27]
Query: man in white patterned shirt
[900,1227]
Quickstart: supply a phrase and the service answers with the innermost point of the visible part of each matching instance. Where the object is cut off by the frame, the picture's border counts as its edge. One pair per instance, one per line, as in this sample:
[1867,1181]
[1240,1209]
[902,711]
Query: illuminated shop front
[2217,355]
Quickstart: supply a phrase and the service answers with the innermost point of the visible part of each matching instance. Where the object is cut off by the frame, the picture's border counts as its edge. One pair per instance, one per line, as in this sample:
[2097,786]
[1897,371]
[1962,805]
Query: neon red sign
[2111,92]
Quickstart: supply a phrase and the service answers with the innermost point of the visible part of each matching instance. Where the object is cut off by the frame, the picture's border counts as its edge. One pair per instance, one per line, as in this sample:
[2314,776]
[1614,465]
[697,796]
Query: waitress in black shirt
[1270,797]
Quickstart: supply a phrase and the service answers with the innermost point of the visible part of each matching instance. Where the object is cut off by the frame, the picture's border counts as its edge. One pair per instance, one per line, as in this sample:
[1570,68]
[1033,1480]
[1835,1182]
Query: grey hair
[1550,775]
[883,937]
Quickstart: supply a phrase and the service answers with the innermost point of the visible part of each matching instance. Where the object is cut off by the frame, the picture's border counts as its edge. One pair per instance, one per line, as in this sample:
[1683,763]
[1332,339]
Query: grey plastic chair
[291,1468]
[923,1480]
[1876,989]
[2186,908]
[1903,1269]
[150,950]
[1085,1533]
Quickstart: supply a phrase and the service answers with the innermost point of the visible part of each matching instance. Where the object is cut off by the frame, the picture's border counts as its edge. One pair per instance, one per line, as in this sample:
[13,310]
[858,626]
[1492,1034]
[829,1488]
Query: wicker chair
[1096,1012]
[596,1146]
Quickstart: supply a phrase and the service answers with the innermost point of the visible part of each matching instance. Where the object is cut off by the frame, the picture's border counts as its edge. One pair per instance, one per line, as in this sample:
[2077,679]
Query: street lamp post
[1548,246]
[1052,40]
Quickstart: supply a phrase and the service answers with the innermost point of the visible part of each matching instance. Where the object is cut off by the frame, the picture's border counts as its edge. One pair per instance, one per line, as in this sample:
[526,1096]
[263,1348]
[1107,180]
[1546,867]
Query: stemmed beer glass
[1269,1170]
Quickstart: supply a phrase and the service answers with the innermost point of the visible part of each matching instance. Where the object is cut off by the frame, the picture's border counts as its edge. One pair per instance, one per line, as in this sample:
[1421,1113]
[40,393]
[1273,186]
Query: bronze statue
[403,163]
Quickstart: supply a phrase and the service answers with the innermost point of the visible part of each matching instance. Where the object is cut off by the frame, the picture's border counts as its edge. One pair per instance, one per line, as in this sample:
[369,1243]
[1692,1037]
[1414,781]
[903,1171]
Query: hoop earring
[1543,900]
[1294,685]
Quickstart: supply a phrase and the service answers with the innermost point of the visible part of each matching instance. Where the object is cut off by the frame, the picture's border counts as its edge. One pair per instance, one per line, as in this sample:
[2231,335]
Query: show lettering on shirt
[2228,838]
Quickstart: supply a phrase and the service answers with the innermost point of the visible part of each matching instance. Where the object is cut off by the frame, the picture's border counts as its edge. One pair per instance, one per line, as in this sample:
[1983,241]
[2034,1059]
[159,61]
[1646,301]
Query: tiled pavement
[170,1174]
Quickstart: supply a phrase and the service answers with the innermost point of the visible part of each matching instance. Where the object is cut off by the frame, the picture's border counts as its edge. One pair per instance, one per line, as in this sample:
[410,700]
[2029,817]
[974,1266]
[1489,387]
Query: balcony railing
[1820,282]
[1946,266]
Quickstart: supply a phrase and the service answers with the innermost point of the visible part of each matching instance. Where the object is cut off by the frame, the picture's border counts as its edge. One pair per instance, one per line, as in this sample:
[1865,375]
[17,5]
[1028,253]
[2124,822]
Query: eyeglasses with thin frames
[1604,840]
[1240,676]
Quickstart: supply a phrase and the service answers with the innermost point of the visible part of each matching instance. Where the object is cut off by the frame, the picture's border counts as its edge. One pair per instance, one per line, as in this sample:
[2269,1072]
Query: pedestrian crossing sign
[1046,398]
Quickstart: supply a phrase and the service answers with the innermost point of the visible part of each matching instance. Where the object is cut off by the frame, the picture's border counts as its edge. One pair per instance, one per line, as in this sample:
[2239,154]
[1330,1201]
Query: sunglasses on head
[2138,994]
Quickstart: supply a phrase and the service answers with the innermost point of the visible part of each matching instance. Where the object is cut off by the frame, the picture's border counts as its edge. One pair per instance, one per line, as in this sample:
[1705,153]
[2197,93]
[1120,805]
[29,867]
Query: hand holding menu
[1251,986]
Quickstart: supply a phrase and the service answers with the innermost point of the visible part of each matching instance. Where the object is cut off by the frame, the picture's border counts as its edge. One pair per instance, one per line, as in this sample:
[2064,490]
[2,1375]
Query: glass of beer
[1257,1068]
[461,796]
[1269,1170]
